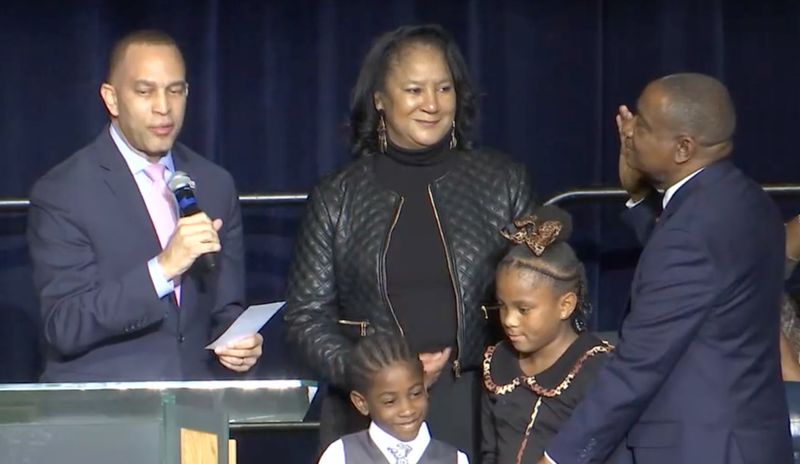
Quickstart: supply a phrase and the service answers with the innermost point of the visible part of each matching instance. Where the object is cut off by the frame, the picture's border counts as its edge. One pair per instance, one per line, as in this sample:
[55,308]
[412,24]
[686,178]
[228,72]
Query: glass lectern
[139,422]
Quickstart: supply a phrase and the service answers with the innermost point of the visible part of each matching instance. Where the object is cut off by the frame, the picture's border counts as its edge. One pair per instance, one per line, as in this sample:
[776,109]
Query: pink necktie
[161,211]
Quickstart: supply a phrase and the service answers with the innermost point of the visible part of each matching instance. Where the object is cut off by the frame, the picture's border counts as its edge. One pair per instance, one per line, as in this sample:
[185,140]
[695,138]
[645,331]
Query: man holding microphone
[123,290]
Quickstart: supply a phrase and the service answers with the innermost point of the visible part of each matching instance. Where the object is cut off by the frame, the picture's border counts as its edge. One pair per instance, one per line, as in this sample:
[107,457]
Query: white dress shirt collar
[136,163]
[385,442]
[672,190]
[335,453]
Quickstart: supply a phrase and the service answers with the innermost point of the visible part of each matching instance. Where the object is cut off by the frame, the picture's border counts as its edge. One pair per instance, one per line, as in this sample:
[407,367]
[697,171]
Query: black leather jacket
[337,278]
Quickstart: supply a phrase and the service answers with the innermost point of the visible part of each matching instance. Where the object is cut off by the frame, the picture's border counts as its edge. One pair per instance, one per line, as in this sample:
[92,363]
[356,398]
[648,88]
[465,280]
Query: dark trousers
[453,414]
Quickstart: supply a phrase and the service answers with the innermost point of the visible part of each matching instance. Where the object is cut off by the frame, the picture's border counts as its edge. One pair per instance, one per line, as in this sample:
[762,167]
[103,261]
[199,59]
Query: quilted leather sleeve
[311,307]
[483,194]
[523,198]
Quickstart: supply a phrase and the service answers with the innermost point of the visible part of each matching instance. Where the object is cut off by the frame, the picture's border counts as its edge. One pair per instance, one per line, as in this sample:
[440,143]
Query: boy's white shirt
[334,454]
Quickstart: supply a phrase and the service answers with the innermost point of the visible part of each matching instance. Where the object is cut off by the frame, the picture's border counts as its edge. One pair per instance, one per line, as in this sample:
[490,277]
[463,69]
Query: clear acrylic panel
[246,402]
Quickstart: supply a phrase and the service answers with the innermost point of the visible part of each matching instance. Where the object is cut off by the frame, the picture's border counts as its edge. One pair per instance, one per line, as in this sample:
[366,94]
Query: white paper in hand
[249,323]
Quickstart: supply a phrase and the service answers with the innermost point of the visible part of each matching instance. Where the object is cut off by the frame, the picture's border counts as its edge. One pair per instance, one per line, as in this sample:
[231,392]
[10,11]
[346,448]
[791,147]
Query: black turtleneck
[418,279]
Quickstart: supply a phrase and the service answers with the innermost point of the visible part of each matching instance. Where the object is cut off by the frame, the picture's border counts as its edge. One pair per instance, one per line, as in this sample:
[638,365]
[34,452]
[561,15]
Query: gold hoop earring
[382,142]
[453,139]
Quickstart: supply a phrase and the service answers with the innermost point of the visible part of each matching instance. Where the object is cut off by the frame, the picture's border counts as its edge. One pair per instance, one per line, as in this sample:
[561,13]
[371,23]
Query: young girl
[535,378]
[388,385]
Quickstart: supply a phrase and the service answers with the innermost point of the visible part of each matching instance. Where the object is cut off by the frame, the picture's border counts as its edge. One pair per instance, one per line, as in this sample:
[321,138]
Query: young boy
[388,386]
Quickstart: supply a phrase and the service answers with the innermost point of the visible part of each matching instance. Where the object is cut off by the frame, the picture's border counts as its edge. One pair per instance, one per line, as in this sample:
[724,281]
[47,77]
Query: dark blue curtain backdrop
[270,82]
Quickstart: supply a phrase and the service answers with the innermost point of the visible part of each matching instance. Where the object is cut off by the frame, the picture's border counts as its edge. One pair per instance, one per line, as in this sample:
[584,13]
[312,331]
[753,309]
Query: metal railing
[299,426]
[608,193]
[288,198]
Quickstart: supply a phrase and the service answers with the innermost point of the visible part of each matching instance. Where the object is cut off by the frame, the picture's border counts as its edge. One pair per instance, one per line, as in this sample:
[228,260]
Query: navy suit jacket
[696,375]
[90,237]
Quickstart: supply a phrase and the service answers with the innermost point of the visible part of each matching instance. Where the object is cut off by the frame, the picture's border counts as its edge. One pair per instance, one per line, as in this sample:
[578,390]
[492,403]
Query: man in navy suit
[120,296]
[696,375]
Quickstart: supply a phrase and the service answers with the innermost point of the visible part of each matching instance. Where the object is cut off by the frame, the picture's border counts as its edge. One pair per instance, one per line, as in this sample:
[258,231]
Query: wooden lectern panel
[231,451]
[198,447]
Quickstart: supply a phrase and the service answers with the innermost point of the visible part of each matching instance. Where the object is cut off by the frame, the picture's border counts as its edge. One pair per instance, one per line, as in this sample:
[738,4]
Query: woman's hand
[793,238]
[433,364]
[790,369]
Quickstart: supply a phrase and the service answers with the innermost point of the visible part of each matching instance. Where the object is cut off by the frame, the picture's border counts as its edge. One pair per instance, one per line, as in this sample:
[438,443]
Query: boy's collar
[384,440]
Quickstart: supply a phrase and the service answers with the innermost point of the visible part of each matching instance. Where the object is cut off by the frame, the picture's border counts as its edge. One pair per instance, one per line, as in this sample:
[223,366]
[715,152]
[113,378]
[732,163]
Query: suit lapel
[192,282]
[709,175]
[120,182]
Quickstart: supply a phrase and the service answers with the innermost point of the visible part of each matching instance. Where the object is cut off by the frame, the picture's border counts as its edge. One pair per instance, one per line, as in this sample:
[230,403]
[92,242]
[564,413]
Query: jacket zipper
[383,265]
[362,326]
[457,362]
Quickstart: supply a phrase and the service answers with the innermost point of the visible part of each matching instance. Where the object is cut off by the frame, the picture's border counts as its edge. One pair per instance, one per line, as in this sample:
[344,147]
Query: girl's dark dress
[521,414]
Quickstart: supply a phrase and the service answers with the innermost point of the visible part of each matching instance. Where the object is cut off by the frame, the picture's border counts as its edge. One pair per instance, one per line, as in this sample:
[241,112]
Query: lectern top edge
[193,385]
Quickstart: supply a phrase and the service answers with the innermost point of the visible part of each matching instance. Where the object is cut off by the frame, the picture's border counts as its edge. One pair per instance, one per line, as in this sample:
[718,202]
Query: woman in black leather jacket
[406,237]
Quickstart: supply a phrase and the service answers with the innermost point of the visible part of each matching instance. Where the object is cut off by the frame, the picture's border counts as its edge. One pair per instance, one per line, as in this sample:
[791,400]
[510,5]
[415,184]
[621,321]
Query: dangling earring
[382,142]
[453,139]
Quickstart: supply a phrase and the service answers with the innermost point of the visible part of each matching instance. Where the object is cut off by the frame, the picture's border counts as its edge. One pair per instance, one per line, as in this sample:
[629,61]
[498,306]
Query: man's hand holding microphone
[196,235]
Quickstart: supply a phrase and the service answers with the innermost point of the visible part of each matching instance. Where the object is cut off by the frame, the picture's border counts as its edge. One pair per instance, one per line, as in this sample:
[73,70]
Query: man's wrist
[161,285]
[168,272]
[632,204]
[638,196]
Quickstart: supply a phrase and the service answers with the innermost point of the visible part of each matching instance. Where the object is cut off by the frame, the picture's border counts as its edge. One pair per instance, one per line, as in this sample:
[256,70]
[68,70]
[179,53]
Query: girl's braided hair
[539,244]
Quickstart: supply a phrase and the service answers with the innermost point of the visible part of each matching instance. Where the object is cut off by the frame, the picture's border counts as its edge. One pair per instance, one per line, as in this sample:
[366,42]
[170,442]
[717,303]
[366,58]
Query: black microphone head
[180,180]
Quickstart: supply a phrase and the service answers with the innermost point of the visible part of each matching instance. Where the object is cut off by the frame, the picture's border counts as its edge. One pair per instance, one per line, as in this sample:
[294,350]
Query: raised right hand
[633,181]
[194,235]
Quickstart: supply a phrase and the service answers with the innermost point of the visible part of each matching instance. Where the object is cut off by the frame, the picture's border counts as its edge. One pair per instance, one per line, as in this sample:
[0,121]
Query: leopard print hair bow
[535,236]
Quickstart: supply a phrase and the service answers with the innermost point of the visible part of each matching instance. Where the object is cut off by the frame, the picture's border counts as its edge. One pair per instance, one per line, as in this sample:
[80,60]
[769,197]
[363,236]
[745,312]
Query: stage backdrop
[270,86]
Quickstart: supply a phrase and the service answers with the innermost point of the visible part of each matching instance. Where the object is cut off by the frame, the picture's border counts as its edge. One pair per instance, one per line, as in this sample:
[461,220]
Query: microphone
[182,186]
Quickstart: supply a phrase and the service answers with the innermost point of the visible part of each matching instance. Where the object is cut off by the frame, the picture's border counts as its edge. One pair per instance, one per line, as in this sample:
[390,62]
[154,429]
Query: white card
[249,323]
